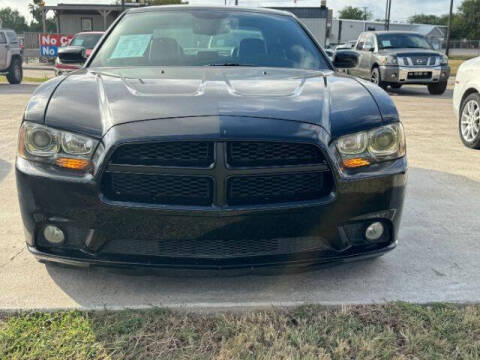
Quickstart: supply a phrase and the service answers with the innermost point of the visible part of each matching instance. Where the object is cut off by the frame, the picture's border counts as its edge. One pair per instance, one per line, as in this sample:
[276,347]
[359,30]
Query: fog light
[374,231]
[53,234]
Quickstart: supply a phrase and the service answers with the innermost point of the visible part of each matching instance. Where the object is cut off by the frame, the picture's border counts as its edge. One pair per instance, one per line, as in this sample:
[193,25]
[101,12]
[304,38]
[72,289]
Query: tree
[354,13]
[13,20]
[469,11]
[427,19]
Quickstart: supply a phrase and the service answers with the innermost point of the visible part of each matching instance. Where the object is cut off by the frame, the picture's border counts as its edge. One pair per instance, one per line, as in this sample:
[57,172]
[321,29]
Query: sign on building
[49,43]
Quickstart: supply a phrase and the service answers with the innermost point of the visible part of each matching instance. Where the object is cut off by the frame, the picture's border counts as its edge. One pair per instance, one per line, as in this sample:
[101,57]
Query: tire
[437,88]
[395,86]
[469,123]
[376,78]
[15,72]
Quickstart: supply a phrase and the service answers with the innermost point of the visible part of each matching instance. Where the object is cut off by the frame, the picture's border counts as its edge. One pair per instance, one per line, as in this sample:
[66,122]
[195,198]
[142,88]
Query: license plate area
[420,75]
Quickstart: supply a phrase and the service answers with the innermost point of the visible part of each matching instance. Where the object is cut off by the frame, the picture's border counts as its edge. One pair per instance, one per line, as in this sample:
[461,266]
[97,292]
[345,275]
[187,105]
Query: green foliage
[465,22]
[12,19]
[354,13]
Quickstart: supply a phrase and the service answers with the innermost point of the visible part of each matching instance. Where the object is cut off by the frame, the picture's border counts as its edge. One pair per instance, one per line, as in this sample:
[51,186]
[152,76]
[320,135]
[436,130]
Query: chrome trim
[404,70]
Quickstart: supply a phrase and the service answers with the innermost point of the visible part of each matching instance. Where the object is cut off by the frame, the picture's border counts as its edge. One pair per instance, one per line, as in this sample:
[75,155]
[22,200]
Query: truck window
[3,40]
[12,37]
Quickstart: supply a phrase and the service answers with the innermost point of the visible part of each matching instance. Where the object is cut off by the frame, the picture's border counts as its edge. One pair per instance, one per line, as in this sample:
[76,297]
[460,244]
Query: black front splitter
[301,263]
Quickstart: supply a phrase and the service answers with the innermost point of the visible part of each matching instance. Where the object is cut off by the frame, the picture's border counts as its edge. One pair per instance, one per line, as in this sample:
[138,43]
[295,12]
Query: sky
[401,9]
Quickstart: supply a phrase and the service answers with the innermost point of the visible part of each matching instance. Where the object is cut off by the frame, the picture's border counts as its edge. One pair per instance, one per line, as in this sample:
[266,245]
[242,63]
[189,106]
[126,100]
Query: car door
[3,51]
[366,56]
[357,71]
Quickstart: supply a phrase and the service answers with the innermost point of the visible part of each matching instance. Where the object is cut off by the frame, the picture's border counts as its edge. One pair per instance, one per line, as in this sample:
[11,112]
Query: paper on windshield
[386,43]
[129,46]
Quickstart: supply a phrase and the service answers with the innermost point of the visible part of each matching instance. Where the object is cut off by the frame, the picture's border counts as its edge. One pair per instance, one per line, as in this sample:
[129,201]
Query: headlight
[368,147]
[62,148]
[389,60]
[444,60]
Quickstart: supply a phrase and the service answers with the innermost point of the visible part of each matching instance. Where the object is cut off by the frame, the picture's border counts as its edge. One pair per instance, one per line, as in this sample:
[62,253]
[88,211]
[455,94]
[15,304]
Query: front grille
[277,188]
[212,248]
[254,154]
[216,174]
[420,60]
[194,154]
[158,189]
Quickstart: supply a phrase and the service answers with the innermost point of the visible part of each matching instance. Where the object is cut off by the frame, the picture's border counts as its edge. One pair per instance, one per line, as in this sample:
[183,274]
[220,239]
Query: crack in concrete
[13,257]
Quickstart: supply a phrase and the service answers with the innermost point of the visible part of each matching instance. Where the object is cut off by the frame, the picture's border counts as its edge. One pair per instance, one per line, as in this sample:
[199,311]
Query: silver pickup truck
[10,56]
[400,58]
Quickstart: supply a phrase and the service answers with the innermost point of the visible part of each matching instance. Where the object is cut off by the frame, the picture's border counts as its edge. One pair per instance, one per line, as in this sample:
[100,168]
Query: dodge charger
[210,137]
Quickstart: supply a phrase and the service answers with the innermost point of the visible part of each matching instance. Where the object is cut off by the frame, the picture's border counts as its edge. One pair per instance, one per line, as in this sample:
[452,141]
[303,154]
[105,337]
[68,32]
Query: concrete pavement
[438,257]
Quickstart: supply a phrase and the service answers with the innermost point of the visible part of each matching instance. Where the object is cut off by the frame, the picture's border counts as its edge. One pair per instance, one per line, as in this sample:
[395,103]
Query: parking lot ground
[437,258]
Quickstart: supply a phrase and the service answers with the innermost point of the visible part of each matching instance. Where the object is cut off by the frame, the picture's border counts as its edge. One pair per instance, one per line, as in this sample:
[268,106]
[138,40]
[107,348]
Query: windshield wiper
[230,64]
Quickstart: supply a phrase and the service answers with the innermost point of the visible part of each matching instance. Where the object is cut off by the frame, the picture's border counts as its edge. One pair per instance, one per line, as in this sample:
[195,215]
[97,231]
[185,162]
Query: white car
[466,101]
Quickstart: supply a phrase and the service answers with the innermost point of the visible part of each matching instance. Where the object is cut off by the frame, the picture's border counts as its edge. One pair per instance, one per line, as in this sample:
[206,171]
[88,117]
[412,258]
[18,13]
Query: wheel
[437,88]
[469,125]
[376,78]
[15,73]
[395,86]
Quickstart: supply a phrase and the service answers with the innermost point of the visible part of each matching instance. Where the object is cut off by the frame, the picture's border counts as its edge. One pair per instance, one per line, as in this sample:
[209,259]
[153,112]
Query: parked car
[84,41]
[10,56]
[401,58]
[466,101]
[163,151]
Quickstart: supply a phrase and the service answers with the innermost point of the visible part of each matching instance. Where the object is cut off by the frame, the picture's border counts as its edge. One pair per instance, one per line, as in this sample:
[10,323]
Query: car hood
[91,101]
[410,52]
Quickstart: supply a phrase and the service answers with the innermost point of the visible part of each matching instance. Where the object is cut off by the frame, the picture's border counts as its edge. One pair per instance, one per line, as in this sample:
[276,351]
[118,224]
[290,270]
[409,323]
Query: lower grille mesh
[213,248]
[159,189]
[277,188]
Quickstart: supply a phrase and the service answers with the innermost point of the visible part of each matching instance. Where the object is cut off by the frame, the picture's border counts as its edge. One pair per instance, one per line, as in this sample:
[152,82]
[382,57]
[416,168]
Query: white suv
[10,56]
[466,101]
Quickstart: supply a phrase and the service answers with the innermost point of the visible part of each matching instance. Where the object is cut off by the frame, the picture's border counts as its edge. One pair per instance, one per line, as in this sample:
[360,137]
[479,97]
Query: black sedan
[210,138]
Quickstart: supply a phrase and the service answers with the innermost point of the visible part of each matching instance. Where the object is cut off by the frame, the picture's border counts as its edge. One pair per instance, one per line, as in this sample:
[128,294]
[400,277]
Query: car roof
[392,32]
[90,33]
[206,7]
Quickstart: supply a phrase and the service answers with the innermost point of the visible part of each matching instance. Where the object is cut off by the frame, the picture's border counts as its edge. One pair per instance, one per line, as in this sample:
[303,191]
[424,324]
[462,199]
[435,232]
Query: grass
[3,79]
[456,61]
[394,331]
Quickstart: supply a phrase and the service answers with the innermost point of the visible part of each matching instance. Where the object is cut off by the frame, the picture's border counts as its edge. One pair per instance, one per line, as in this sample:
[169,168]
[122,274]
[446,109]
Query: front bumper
[400,74]
[76,204]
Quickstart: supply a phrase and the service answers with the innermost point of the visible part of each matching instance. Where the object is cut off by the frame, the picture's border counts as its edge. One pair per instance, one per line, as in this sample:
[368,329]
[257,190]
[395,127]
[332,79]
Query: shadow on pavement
[4,169]
[419,91]
[436,260]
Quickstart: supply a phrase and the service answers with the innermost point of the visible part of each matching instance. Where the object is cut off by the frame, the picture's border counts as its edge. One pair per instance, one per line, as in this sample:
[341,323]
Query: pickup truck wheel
[15,73]
[469,125]
[437,88]
[376,78]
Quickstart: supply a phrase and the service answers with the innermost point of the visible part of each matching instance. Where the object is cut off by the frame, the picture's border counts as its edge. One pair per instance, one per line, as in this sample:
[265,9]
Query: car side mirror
[346,59]
[72,54]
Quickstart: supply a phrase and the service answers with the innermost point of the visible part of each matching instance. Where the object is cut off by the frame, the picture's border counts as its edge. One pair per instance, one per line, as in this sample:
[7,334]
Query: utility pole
[365,9]
[123,5]
[449,30]
[388,11]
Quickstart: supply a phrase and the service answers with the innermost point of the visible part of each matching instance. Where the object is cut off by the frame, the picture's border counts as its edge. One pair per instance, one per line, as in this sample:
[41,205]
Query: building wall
[71,23]
[317,27]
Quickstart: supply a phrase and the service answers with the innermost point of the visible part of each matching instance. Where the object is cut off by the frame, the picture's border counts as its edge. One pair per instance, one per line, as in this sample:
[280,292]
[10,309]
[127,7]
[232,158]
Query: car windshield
[88,41]
[199,37]
[402,41]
